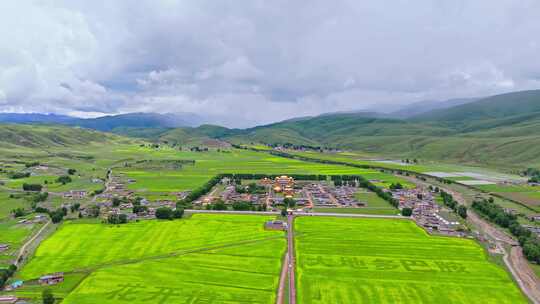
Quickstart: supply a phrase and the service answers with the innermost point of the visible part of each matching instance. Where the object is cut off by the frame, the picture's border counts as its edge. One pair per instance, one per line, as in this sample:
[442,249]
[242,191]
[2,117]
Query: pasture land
[393,261]
[209,164]
[212,258]
[8,203]
[14,234]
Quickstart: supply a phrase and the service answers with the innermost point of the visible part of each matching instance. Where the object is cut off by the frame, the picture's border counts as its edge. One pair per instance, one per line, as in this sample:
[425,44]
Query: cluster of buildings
[323,195]
[4,247]
[281,184]
[276,225]
[306,194]
[230,195]
[38,219]
[116,187]
[75,194]
[10,300]
[425,211]
[51,279]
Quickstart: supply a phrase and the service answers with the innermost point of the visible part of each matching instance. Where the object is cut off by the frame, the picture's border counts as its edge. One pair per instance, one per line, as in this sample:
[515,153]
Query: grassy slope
[500,130]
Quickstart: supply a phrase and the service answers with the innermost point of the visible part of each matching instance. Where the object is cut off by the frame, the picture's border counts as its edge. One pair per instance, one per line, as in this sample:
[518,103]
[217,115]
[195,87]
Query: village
[307,196]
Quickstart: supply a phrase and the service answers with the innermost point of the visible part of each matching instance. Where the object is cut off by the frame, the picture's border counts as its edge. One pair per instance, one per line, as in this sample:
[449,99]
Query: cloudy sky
[247,62]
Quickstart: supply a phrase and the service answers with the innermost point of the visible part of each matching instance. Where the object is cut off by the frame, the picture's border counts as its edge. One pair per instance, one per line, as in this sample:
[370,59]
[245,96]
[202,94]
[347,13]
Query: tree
[32,187]
[64,179]
[406,211]
[462,211]
[117,219]
[396,186]
[56,216]
[75,207]
[47,296]
[531,251]
[71,171]
[18,212]
[116,202]
[289,202]
[164,213]
[241,206]
[139,209]
[219,205]
[178,213]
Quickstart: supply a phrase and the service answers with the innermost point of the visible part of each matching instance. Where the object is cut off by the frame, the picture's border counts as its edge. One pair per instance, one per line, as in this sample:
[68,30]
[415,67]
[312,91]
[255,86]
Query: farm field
[213,258]
[209,164]
[393,261]
[528,195]
[367,210]
[421,167]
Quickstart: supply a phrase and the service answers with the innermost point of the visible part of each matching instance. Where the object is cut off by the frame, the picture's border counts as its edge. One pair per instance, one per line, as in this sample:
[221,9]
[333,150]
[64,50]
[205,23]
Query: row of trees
[64,179]
[32,187]
[117,219]
[449,202]
[17,175]
[236,206]
[166,213]
[497,215]
[197,193]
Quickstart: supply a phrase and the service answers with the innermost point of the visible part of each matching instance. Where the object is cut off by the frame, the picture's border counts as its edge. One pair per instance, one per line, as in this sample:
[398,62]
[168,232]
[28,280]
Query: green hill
[495,107]
[499,129]
[45,136]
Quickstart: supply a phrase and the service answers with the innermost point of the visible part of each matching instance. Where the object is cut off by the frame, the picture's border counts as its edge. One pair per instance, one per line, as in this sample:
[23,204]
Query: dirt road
[28,243]
[283,279]
[291,260]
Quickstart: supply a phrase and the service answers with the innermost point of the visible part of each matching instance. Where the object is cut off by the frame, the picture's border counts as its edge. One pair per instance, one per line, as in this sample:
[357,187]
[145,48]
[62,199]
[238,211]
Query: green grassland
[13,234]
[221,258]
[393,261]
[8,203]
[372,199]
[209,164]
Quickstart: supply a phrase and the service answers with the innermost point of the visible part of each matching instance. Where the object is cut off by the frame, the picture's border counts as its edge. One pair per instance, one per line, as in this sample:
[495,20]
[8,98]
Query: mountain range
[493,130]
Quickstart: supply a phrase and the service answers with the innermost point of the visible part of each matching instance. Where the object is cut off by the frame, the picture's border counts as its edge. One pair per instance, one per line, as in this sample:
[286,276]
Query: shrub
[164,213]
[64,179]
[406,211]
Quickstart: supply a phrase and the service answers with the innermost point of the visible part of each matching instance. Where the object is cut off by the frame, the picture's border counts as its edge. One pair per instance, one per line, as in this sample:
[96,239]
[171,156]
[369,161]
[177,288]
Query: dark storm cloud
[259,61]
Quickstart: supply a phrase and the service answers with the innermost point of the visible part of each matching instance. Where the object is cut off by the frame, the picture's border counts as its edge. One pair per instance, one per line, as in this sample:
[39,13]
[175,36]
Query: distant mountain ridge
[427,106]
[494,107]
[498,129]
[109,123]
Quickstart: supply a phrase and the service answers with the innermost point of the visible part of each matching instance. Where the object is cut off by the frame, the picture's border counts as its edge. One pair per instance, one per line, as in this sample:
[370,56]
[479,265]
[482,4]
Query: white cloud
[260,61]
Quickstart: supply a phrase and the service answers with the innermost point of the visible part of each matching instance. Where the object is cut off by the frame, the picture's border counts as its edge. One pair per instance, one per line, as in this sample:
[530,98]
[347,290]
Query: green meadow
[209,164]
[393,261]
[212,258]
[13,234]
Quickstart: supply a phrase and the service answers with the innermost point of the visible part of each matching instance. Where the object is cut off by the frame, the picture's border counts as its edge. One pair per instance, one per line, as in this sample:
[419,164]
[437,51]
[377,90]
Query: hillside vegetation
[502,130]
[44,136]
[499,130]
